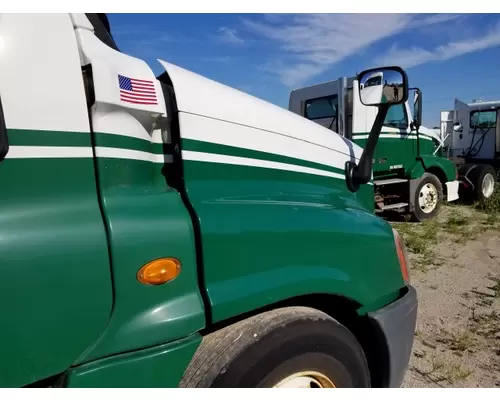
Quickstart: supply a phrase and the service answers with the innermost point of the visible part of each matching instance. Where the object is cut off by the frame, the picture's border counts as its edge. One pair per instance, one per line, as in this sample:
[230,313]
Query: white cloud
[318,41]
[437,18]
[414,56]
[292,73]
[229,35]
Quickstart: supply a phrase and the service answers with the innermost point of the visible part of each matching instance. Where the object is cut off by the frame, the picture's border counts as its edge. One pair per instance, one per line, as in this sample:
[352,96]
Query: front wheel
[428,197]
[295,347]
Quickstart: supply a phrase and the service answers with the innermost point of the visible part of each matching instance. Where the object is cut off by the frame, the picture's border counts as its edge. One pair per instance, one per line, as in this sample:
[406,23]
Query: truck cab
[410,173]
[471,136]
[152,238]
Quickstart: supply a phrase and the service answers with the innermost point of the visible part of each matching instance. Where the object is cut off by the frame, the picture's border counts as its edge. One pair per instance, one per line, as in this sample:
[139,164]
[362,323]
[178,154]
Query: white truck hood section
[429,132]
[196,94]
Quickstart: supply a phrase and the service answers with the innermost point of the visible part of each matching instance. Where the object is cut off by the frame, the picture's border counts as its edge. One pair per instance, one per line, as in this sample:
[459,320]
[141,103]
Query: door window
[322,107]
[483,119]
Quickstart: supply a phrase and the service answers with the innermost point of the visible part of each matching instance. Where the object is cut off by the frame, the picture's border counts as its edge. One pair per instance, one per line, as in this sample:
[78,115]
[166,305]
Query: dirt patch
[455,267]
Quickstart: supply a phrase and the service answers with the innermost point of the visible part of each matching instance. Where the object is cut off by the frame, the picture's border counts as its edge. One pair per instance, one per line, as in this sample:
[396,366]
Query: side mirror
[380,87]
[383,86]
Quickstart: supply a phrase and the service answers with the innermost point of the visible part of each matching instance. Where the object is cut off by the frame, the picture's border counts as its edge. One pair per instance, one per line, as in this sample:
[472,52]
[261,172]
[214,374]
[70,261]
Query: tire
[428,197]
[263,350]
[483,177]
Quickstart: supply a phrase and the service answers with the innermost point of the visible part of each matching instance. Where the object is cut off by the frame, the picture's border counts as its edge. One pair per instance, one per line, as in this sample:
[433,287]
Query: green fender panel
[158,367]
[417,170]
[272,234]
[424,163]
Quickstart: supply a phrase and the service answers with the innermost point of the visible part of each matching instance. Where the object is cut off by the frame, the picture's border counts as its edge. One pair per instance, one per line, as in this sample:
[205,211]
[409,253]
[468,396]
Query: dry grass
[455,259]
[454,223]
[492,205]
[445,370]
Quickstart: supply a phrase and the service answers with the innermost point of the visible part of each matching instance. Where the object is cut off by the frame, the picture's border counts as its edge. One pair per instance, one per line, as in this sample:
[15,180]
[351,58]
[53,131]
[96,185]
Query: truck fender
[463,174]
[444,169]
[472,176]
[442,166]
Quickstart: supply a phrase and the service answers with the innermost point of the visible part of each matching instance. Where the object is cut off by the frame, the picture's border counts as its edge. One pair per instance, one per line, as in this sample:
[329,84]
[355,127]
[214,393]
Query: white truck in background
[411,175]
[470,133]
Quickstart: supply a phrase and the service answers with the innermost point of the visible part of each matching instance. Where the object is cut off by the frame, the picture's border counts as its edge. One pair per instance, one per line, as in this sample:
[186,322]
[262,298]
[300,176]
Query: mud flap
[411,193]
[452,190]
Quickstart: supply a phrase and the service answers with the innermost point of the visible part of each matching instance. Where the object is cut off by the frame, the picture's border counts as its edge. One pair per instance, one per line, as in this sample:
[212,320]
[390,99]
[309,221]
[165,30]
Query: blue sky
[267,55]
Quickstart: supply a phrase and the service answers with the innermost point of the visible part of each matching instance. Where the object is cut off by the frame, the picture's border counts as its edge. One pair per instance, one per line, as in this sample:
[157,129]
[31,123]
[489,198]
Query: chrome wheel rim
[306,380]
[428,198]
[488,185]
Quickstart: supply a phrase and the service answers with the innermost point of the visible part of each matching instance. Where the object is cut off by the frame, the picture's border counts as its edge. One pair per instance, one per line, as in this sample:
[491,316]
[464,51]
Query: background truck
[411,175]
[169,231]
[373,86]
[470,133]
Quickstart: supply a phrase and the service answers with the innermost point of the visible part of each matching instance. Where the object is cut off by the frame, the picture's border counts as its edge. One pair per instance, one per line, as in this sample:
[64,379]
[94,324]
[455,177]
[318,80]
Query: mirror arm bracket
[360,174]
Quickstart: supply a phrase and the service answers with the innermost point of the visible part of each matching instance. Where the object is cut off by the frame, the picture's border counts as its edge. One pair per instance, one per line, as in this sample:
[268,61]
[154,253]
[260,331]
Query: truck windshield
[375,81]
[397,117]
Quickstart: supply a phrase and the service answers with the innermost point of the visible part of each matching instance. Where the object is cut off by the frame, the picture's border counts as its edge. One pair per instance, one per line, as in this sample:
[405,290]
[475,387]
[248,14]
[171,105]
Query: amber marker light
[159,271]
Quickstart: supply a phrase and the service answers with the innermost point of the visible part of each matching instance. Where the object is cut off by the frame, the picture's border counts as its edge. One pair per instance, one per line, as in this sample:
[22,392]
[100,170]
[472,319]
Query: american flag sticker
[137,91]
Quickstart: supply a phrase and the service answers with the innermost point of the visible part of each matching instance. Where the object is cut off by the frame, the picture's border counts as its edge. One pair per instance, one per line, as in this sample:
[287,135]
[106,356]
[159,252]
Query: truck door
[475,130]
[460,139]
[145,217]
[55,290]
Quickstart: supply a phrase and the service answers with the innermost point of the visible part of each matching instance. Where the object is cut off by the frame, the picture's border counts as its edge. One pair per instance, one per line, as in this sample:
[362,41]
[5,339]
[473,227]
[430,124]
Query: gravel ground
[456,271]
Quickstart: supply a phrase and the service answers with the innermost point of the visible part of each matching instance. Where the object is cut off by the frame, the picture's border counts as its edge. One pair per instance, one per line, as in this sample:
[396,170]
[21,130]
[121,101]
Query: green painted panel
[269,235]
[23,137]
[146,220]
[417,171]
[55,232]
[127,142]
[214,148]
[364,196]
[396,156]
[55,290]
[404,152]
[447,166]
[158,367]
